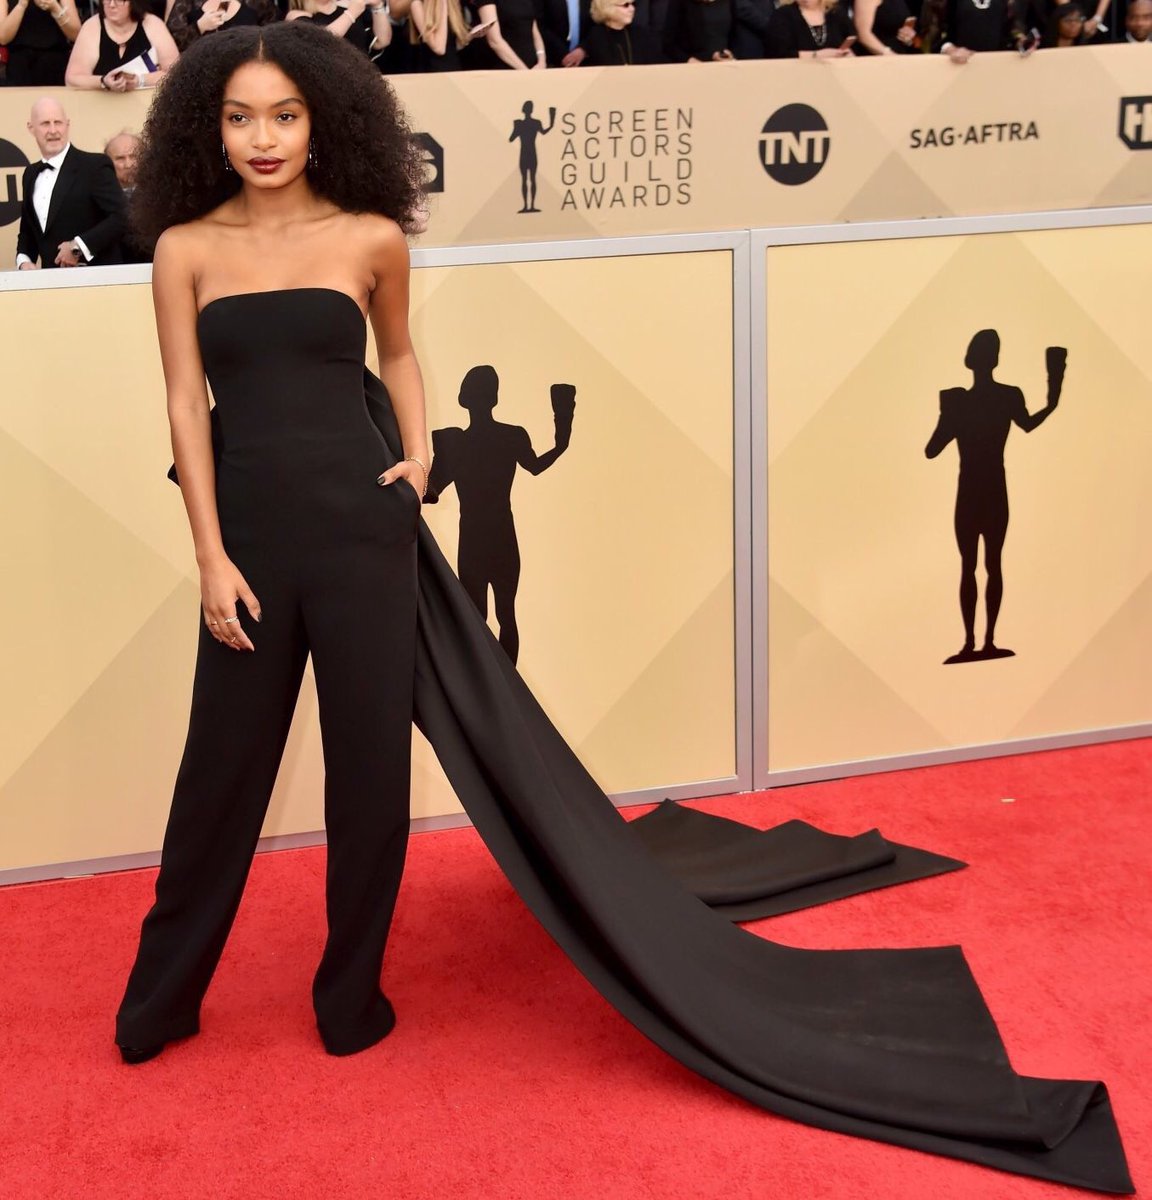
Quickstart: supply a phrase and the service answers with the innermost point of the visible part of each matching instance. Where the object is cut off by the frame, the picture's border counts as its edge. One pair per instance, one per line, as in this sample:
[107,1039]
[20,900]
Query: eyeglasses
[626,4]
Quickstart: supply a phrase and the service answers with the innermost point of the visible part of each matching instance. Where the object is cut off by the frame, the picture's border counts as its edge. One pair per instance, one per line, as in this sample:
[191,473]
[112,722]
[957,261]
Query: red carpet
[508,1077]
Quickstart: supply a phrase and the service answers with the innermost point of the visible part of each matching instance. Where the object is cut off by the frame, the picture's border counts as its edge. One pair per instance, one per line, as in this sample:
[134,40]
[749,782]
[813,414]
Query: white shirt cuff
[83,249]
[21,259]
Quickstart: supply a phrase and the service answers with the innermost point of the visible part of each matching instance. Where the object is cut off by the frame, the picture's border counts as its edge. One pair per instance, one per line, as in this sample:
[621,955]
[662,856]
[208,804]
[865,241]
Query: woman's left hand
[410,471]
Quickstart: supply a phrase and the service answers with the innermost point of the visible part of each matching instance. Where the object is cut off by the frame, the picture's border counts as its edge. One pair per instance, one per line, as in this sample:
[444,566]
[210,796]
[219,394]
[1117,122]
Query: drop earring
[311,154]
[227,161]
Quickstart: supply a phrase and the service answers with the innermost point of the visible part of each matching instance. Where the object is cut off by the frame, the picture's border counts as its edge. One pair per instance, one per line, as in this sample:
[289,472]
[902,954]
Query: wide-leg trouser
[353,606]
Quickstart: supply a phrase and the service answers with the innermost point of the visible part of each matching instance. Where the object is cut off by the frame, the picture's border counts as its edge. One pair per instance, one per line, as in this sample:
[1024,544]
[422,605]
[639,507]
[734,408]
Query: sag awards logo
[609,159]
[12,164]
[433,161]
[794,144]
[1136,122]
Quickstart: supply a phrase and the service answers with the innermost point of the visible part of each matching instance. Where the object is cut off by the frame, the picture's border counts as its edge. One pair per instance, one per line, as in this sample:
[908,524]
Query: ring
[229,620]
[233,641]
[213,622]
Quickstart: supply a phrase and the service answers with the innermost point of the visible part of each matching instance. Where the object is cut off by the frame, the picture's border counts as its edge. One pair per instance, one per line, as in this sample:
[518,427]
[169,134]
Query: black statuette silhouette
[526,130]
[980,418]
[481,461]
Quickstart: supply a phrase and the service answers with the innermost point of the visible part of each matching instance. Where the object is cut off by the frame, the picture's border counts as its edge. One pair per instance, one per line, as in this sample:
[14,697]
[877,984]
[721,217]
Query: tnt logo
[1136,122]
[12,164]
[794,144]
[433,161]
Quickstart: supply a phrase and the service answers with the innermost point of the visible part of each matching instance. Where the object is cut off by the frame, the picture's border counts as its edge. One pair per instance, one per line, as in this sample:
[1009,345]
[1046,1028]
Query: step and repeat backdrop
[951,560]
[735,146]
[956,433]
[625,539]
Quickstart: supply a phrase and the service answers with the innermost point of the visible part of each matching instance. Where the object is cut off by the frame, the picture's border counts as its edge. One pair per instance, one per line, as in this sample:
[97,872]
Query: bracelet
[413,459]
[539,53]
[104,83]
[377,9]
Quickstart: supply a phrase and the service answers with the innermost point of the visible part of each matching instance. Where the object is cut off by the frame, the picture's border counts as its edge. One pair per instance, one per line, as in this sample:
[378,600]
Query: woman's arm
[399,370]
[381,25]
[11,18]
[490,17]
[174,301]
[67,18]
[82,61]
[538,44]
[864,15]
[162,42]
[435,35]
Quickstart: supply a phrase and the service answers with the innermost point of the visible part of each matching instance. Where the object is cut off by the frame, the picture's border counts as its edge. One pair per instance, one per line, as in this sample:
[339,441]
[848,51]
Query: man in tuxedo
[73,209]
[562,23]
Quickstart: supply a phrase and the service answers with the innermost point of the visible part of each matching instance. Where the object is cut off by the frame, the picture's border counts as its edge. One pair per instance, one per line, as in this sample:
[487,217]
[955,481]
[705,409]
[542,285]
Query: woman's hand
[211,21]
[221,585]
[411,471]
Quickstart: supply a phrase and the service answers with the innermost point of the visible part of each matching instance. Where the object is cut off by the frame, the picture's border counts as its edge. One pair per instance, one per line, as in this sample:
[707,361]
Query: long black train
[894,1045]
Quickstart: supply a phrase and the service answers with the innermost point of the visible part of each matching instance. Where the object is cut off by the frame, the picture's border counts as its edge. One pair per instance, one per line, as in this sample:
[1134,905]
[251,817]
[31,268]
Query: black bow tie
[45,166]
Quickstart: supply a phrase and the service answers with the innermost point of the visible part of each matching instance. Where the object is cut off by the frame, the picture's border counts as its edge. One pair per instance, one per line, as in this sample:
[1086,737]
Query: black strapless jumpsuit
[331,557]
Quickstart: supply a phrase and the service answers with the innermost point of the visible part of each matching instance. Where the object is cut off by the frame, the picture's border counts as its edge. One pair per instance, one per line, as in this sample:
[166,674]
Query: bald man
[73,211]
[123,149]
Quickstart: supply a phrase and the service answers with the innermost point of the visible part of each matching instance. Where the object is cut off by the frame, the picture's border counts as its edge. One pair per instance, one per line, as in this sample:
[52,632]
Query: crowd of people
[120,45]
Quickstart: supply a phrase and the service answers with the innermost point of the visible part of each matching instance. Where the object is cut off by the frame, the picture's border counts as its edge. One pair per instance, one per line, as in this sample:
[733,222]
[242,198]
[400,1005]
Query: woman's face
[265,126]
[1071,26]
[116,10]
[623,13]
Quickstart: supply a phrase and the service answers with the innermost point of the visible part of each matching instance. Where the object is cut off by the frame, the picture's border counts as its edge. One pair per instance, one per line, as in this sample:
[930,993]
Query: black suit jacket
[87,203]
[552,17]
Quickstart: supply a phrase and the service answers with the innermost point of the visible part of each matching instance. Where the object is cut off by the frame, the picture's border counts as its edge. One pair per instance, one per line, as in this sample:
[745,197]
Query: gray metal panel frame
[734,242]
[760,241]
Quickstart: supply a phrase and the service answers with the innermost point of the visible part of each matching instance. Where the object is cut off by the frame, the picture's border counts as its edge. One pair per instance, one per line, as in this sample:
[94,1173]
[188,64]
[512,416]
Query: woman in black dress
[809,29]
[280,173]
[192,19]
[613,40]
[39,36]
[885,26]
[362,23]
[121,48]
[439,30]
[512,37]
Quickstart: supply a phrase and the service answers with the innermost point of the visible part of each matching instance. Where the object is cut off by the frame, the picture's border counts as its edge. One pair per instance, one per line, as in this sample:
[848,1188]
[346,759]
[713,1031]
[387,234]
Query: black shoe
[133,1055]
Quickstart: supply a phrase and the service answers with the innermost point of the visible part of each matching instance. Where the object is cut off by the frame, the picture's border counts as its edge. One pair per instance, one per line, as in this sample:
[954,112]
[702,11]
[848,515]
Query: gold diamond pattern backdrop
[863,565]
[627,580]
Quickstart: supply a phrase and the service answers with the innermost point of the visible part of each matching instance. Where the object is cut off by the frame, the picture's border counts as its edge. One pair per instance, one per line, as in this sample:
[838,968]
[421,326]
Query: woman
[275,247]
[885,26]
[1066,26]
[512,37]
[699,31]
[613,41]
[121,48]
[39,36]
[365,26]
[809,29]
[439,31]
[191,19]
[280,172]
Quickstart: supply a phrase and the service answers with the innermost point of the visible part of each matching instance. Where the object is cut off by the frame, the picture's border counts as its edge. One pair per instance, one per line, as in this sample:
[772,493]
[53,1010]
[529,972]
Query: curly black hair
[366,157]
